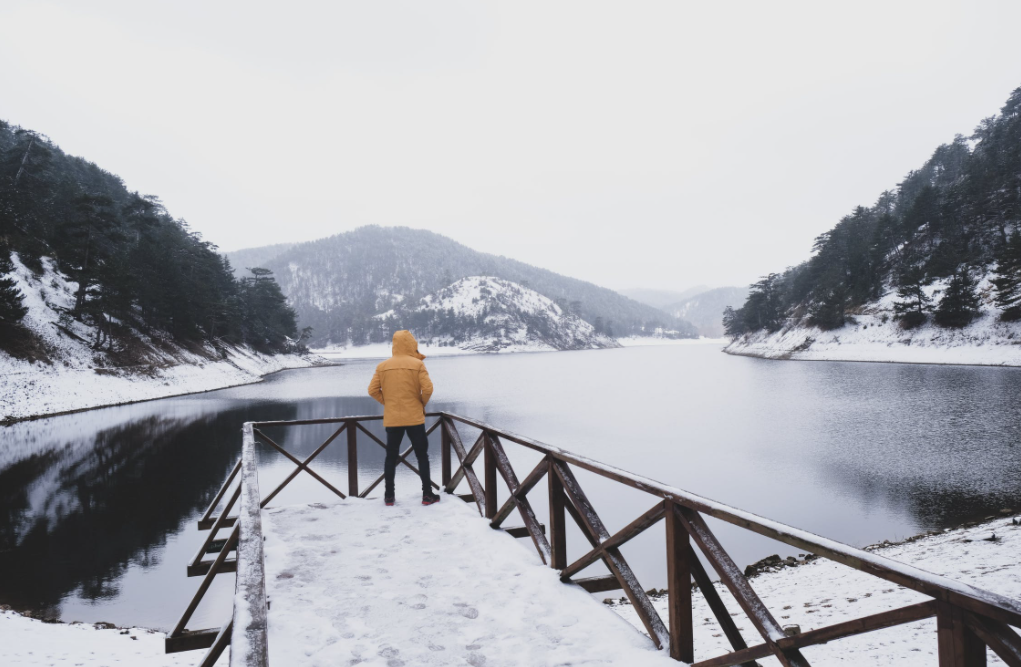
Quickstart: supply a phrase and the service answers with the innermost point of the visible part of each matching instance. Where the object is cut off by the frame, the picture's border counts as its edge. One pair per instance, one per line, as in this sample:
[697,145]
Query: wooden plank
[524,487]
[249,638]
[227,523]
[678,560]
[190,640]
[737,583]
[207,516]
[466,469]
[217,525]
[628,532]
[467,497]
[214,569]
[558,527]
[719,609]
[298,463]
[998,636]
[886,619]
[857,626]
[607,582]
[974,599]
[219,645]
[473,454]
[522,531]
[502,463]
[444,456]
[959,646]
[432,428]
[332,420]
[593,527]
[201,568]
[489,466]
[352,461]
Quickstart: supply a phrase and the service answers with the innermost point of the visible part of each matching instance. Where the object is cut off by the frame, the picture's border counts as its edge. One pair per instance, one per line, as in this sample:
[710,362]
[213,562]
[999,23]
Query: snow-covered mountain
[487,314]
[338,285]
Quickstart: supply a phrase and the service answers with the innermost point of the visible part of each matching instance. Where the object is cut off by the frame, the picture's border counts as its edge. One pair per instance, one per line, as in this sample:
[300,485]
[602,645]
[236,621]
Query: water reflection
[97,509]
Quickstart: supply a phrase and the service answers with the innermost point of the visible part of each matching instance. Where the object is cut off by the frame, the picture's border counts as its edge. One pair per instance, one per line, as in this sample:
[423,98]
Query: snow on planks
[358,582]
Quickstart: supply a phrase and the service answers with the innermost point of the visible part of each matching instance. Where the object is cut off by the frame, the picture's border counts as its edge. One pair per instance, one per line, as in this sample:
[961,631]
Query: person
[402,385]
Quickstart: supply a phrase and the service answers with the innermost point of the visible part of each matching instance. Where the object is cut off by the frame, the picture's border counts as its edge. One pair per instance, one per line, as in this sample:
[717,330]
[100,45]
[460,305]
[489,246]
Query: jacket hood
[405,344]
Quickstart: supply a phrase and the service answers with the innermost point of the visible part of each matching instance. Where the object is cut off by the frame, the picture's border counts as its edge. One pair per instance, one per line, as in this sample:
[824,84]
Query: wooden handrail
[975,599]
[969,619]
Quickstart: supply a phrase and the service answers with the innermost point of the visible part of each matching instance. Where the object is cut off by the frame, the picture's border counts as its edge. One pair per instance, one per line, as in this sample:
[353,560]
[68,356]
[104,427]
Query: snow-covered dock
[354,581]
[357,582]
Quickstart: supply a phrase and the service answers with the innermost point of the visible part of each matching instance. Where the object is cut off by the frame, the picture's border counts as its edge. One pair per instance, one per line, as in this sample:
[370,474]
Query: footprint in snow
[468,612]
[476,659]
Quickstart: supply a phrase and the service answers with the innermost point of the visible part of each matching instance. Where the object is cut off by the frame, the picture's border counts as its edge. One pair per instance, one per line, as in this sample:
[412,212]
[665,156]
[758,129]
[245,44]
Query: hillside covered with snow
[873,333]
[62,364]
[486,314]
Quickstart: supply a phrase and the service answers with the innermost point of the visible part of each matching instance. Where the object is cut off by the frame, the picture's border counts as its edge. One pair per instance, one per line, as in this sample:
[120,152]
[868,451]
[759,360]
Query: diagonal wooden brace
[524,507]
[737,583]
[301,465]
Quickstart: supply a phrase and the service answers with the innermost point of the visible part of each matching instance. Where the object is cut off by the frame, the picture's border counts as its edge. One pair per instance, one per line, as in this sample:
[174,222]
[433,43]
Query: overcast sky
[633,144]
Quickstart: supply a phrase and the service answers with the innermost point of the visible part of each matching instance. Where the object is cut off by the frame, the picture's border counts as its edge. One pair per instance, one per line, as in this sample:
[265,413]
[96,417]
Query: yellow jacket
[402,384]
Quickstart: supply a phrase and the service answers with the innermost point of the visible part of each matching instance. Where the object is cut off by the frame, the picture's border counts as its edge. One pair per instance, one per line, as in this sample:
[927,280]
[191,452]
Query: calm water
[98,509]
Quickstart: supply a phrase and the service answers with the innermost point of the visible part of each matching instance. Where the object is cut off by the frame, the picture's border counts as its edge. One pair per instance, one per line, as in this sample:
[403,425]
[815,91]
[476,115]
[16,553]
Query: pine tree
[11,307]
[960,303]
[828,312]
[914,303]
[1008,279]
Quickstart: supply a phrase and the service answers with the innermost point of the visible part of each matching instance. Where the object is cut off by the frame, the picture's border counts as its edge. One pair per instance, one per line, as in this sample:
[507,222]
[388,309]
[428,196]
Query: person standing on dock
[402,385]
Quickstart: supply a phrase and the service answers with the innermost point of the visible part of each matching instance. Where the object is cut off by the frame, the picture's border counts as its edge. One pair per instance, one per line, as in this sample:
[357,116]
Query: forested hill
[944,247]
[135,276]
[338,284]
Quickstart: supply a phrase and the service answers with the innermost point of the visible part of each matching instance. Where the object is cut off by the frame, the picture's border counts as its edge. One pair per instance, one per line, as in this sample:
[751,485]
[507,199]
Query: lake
[99,508]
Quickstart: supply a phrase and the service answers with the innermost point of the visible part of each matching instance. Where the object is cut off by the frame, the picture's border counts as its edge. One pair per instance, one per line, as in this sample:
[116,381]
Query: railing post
[490,489]
[678,555]
[352,459]
[557,527]
[445,454]
[959,646]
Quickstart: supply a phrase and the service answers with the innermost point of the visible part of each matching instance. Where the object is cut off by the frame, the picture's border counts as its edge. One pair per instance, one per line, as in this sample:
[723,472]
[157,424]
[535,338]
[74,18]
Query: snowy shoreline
[798,594]
[876,337]
[41,392]
[382,350]
[814,593]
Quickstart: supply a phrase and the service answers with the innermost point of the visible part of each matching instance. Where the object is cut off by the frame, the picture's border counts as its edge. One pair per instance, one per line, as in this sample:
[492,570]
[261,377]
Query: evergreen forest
[950,224]
[138,269]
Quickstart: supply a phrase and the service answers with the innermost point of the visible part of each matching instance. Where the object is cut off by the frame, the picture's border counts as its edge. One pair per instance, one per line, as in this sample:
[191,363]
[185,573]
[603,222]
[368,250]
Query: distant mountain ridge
[705,310]
[338,285]
[661,298]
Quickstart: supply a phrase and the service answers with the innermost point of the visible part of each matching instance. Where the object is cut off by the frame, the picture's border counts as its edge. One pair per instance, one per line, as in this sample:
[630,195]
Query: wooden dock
[969,622]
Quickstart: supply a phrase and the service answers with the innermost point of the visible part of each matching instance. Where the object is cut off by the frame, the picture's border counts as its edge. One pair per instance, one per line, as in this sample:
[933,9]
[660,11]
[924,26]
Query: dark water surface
[98,509]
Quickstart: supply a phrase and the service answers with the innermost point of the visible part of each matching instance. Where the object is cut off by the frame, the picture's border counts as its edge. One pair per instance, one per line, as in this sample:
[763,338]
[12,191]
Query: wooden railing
[968,619]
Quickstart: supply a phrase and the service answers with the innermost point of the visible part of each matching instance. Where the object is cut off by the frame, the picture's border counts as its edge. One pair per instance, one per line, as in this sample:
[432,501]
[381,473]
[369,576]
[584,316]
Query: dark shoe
[430,498]
[389,499]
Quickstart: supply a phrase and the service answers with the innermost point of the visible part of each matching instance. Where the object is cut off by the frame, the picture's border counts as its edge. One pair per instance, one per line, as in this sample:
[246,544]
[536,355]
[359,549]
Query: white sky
[654,144]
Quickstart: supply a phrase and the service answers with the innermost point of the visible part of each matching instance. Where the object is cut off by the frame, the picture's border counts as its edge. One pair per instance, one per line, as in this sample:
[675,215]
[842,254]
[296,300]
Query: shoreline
[788,356]
[313,363]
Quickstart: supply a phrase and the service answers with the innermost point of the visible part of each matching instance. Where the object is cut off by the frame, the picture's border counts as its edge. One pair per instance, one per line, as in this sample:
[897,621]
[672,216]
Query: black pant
[420,443]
